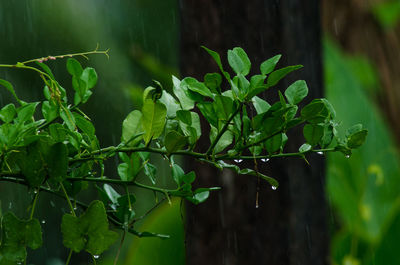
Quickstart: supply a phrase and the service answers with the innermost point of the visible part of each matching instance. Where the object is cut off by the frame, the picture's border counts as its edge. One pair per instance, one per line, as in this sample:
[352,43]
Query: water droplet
[75,208]
[274,187]
[96,256]
[320,153]
[264,160]
[43,221]
[10,205]
[347,156]
[35,191]
[238,160]
[257,206]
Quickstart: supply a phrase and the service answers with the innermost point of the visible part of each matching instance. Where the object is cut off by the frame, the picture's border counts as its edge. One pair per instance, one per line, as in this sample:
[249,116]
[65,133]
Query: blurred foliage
[387,13]
[364,189]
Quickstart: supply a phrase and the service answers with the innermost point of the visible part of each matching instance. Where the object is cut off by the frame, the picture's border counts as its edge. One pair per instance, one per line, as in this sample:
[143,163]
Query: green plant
[59,153]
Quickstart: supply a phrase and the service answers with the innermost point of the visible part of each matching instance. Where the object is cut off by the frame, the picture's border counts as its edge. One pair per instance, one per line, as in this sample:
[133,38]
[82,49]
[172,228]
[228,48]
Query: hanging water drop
[75,208]
[257,206]
[347,156]
[320,153]
[43,221]
[274,187]
[264,160]
[96,256]
[238,160]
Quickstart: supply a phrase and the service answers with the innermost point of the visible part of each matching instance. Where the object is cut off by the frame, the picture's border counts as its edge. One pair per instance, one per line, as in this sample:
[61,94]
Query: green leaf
[26,112]
[46,69]
[296,92]
[132,127]
[111,193]
[89,231]
[225,140]
[305,148]
[89,76]
[125,213]
[273,144]
[313,133]
[208,111]
[57,162]
[49,110]
[199,195]
[269,65]
[277,75]
[177,174]
[223,107]
[68,118]
[10,88]
[186,102]
[239,61]
[189,177]
[153,119]
[131,168]
[31,163]
[150,171]
[16,235]
[84,125]
[174,141]
[260,105]
[315,112]
[357,139]
[171,104]
[217,59]
[192,84]
[8,112]
[213,82]
[184,116]
[74,67]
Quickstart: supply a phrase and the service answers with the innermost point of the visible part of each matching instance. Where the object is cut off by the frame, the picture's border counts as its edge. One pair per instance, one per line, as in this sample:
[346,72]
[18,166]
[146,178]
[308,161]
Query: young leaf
[305,148]
[239,61]
[7,113]
[260,105]
[296,92]
[132,127]
[49,110]
[217,59]
[10,88]
[89,76]
[269,65]
[153,119]
[186,102]
[67,116]
[315,112]
[356,139]
[223,107]
[26,112]
[277,75]
[74,67]
[177,174]
[196,86]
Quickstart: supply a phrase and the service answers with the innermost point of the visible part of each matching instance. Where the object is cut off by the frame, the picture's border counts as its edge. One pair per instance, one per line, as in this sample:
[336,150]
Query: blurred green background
[361,44]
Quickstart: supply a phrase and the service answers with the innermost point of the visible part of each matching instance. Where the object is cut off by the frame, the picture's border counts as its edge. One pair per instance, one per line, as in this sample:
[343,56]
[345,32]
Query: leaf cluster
[51,145]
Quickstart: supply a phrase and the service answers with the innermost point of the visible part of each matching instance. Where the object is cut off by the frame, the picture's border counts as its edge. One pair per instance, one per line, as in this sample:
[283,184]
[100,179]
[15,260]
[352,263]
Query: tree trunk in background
[290,225]
[352,24]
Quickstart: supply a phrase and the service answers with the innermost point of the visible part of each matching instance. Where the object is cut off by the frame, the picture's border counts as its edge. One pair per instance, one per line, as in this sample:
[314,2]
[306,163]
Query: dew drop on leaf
[264,160]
